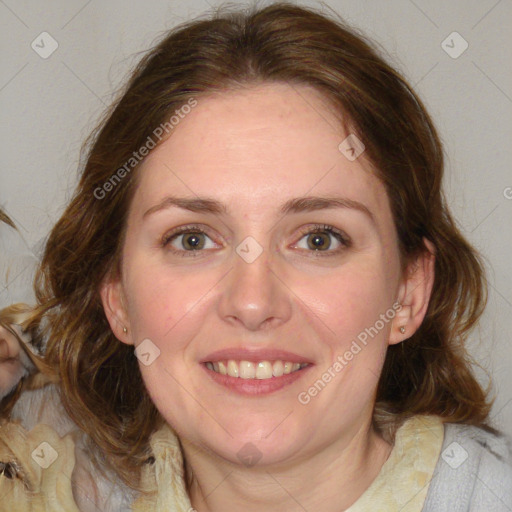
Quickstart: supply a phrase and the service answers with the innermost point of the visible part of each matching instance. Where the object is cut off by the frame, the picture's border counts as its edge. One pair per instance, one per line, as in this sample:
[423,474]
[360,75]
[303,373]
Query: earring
[125,330]
[402,329]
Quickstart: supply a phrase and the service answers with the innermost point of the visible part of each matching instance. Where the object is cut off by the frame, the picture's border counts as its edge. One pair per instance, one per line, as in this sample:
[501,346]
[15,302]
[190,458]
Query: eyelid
[189,228]
[315,228]
[340,235]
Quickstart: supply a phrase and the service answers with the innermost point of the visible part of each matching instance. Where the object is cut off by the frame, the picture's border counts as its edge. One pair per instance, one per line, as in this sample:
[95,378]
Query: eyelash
[342,238]
[315,228]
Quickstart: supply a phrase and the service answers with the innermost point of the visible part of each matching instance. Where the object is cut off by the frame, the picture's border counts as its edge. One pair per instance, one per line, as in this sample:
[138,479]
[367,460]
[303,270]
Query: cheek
[165,304]
[347,304]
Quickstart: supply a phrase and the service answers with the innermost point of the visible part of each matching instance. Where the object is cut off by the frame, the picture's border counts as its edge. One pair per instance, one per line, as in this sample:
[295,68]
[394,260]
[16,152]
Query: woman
[257,297]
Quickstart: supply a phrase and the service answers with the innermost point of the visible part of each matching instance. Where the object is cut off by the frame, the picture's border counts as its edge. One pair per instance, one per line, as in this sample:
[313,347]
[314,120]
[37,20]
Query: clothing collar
[402,483]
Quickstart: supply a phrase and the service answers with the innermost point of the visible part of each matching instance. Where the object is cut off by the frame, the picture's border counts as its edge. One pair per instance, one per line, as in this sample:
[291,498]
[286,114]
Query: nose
[254,295]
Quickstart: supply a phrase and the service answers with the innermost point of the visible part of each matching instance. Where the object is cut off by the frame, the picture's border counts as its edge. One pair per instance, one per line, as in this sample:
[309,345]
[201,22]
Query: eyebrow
[295,205]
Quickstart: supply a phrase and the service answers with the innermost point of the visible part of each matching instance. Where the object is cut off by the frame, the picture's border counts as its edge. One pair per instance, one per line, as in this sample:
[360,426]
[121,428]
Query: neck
[330,479]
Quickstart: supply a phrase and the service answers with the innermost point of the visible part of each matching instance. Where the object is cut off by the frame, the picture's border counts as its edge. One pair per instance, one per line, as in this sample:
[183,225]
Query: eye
[187,239]
[323,238]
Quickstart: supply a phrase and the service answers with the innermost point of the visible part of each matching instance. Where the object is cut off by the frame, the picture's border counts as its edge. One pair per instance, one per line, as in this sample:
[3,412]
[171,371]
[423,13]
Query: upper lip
[254,355]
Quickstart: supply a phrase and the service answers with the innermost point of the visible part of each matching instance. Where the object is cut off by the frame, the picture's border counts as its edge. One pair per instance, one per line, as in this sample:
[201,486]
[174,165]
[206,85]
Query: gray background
[50,105]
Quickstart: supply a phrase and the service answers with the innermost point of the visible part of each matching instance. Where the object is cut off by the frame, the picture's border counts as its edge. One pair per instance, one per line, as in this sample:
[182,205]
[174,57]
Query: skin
[13,362]
[253,150]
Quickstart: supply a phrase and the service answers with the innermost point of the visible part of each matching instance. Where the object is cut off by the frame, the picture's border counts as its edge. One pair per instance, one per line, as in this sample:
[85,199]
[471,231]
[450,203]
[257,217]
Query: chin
[263,444]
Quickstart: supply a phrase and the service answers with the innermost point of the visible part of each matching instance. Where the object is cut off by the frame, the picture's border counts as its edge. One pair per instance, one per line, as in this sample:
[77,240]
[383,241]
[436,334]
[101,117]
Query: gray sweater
[473,474]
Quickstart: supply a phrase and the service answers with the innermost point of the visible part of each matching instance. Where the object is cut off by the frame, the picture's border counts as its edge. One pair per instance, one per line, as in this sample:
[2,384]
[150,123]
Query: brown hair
[101,385]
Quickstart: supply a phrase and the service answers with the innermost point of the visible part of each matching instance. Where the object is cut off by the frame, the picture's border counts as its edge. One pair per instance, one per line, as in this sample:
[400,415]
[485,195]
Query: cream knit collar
[402,483]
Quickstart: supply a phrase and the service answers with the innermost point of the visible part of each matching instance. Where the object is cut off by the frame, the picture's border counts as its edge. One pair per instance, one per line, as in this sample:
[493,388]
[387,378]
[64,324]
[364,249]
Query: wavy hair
[100,382]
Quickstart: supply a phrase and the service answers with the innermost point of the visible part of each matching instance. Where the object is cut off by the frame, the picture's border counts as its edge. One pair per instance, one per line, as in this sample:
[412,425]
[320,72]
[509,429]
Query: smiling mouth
[254,370]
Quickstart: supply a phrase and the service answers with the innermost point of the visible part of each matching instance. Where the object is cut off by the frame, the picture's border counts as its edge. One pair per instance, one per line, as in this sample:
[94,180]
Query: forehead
[255,146]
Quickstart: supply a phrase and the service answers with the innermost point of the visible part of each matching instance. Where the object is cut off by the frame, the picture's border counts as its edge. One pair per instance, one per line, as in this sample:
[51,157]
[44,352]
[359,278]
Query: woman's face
[253,246]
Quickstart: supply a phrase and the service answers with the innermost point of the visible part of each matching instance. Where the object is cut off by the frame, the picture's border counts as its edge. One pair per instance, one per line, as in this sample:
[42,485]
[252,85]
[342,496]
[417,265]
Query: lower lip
[256,386]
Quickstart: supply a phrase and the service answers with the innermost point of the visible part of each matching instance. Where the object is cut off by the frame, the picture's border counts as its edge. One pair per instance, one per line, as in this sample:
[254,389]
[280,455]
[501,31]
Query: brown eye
[319,241]
[193,241]
[323,240]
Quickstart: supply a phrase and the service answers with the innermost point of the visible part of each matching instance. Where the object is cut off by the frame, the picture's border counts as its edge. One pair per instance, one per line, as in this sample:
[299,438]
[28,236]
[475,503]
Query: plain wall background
[50,105]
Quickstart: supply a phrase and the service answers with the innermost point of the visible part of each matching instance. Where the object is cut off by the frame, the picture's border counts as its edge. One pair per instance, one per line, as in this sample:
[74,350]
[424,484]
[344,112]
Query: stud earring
[125,330]
[402,329]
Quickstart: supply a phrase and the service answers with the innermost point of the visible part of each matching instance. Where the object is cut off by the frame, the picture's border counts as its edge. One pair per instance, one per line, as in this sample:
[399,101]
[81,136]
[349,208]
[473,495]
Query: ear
[414,294]
[112,298]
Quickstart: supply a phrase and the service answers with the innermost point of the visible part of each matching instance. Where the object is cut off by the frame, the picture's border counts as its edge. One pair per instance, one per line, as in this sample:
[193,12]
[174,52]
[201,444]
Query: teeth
[249,370]
[278,369]
[232,369]
[222,368]
[264,370]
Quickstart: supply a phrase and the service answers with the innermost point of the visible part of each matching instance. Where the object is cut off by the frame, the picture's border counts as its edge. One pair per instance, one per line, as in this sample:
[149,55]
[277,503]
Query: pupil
[193,241]
[318,241]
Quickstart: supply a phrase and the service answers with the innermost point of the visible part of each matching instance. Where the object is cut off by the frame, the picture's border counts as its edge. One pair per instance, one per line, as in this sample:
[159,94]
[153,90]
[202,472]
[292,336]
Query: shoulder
[490,452]
[474,471]
[497,446]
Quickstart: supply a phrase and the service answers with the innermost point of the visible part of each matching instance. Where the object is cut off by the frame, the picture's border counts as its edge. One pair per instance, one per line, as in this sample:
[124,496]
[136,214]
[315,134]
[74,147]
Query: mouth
[256,378]
[250,370]
[255,372]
